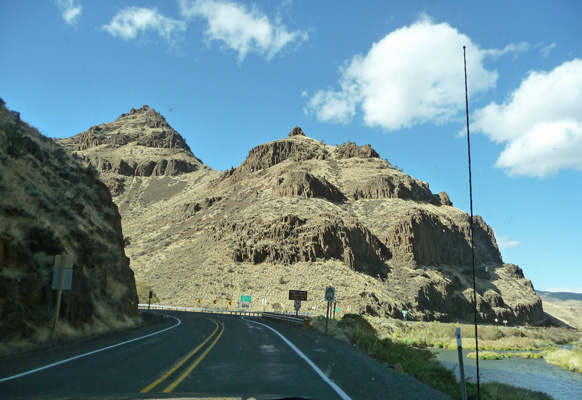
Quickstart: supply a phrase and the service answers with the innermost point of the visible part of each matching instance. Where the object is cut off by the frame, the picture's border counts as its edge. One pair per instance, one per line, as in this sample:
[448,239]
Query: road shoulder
[360,376]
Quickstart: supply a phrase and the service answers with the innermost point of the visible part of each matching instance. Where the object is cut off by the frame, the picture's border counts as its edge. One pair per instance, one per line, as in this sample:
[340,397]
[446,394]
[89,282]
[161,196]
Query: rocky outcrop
[58,206]
[303,184]
[350,150]
[398,187]
[191,209]
[160,167]
[420,238]
[444,199]
[297,131]
[267,155]
[290,239]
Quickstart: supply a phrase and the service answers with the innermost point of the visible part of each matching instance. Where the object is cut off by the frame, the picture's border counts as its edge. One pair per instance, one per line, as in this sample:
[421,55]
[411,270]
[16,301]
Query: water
[527,373]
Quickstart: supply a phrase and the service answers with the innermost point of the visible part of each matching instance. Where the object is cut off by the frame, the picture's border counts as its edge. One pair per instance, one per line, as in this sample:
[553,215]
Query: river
[527,373]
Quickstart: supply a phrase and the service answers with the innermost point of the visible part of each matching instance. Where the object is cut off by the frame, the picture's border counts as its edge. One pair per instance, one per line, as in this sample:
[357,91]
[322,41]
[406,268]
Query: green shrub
[14,142]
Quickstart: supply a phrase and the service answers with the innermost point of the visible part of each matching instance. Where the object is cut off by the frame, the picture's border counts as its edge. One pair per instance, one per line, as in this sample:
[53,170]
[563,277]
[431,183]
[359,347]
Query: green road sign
[329,294]
[245,298]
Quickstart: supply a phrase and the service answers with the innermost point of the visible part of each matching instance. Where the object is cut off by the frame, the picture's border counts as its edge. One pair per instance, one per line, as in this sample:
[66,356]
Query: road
[202,355]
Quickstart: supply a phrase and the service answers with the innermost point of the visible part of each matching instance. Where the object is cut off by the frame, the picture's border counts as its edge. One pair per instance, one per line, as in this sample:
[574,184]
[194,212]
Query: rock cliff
[300,214]
[52,204]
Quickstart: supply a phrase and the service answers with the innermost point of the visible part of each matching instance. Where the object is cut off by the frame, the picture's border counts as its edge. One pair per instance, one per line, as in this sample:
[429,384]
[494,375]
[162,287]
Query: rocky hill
[300,214]
[52,204]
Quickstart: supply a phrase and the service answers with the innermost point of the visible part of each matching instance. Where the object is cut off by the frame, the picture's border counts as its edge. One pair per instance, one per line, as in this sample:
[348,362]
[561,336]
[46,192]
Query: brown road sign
[298,295]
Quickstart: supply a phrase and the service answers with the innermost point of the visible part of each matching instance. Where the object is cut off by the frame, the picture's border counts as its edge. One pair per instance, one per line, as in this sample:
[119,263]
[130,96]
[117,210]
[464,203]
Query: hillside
[300,214]
[52,204]
[564,306]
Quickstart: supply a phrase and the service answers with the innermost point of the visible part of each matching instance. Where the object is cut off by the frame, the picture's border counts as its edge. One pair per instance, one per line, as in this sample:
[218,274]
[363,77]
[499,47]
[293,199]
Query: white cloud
[540,124]
[504,242]
[411,76]
[242,30]
[130,22]
[70,10]
[545,50]
[510,48]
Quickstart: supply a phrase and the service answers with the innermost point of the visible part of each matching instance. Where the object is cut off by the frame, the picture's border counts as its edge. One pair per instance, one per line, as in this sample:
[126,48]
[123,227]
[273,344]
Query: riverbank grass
[419,363]
[491,337]
[485,355]
[570,360]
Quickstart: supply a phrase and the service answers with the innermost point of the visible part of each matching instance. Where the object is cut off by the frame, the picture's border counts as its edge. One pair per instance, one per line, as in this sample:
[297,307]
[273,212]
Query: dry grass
[442,335]
[567,359]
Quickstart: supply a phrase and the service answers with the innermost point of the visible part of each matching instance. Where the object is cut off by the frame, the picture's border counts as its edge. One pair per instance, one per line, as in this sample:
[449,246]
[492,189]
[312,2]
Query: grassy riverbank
[442,335]
[570,360]
[419,363]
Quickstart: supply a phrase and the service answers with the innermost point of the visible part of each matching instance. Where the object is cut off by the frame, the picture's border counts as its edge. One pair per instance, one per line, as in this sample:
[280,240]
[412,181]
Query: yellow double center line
[185,359]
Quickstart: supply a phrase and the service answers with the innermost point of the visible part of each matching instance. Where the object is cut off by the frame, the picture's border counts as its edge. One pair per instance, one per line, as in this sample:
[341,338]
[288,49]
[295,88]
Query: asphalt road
[206,355]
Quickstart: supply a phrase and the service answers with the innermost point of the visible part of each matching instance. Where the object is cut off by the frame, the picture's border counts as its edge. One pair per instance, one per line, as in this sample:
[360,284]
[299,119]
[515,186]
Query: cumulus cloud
[504,242]
[240,29]
[411,76]
[540,123]
[70,10]
[130,22]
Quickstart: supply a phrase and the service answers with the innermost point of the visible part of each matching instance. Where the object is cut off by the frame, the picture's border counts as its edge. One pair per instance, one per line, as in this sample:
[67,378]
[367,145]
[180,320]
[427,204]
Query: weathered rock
[297,131]
[395,187]
[350,149]
[291,239]
[420,238]
[303,184]
[267,155]
[190,209]
[59,206]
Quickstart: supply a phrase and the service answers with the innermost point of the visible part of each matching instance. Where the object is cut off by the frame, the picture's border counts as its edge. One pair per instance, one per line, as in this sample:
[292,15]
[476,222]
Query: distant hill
[297,214]
[564,306]
[52,204]
[561,296]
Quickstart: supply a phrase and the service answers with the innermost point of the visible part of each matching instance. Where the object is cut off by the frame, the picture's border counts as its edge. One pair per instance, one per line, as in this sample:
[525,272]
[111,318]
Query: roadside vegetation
[570,360]
[419,363]
[143,293]
[491,337]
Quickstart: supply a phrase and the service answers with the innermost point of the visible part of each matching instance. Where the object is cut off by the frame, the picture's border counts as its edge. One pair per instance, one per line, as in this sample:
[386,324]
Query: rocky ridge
[140,143]
[52,204]
[300,214]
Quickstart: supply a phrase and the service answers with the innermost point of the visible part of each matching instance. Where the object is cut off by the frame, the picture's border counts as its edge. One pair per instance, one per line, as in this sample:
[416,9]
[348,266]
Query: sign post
[63,266]
[245,302]
[297,306]
[150,299]
[329,298]
[461,367]
[404,313]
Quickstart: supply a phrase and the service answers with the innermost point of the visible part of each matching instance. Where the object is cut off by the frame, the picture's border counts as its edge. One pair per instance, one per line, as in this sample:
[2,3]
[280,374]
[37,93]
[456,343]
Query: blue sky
[230,75]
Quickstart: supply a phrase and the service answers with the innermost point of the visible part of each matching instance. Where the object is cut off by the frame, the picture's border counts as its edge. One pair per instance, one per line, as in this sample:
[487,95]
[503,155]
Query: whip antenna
[471,223]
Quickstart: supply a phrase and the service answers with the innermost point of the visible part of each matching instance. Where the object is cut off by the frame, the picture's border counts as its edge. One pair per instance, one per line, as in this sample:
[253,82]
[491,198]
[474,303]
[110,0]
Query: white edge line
[335,387]
[90,353]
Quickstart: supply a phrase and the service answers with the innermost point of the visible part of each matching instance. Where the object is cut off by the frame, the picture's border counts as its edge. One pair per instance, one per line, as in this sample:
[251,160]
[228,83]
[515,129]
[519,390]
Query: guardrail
[286,318]
[194,309]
